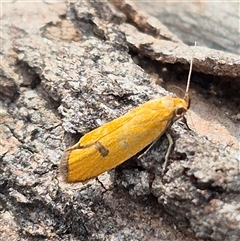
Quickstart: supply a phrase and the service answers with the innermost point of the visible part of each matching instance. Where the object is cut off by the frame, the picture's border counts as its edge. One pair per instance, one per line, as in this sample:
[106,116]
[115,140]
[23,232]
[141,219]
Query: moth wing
[153,111]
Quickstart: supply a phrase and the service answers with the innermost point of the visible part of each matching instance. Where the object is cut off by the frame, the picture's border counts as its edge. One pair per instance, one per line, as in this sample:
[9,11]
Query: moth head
[181,107]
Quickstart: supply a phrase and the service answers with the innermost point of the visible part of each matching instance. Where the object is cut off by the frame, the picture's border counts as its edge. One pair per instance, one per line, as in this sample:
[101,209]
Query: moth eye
[180,111]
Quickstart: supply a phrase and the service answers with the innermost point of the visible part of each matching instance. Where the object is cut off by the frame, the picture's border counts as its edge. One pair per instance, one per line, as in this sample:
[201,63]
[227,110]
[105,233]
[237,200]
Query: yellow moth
[116,141]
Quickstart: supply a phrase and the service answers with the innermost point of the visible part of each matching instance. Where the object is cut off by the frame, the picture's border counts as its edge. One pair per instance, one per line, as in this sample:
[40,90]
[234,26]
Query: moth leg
[184,120]
[170,144]
[147,150]
[170,141]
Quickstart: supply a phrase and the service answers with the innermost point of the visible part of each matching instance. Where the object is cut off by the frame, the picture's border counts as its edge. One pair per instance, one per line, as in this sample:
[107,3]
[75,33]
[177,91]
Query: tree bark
[66,70]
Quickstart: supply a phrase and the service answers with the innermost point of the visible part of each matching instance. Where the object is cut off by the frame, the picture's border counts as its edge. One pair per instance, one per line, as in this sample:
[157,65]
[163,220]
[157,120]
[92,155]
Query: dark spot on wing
[103,150]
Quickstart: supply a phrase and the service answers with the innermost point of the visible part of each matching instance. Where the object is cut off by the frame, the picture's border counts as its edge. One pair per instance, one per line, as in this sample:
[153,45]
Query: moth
[115,142]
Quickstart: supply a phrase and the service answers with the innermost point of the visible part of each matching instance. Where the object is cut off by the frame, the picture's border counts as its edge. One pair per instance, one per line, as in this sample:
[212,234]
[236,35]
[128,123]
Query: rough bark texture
[67,69]
[211,23]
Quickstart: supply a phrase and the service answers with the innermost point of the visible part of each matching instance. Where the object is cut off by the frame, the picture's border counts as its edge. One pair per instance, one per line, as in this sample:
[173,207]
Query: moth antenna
[190,71]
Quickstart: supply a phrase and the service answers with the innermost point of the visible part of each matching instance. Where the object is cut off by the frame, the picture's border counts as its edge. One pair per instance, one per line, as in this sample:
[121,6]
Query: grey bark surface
[215,24]
[65,74]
